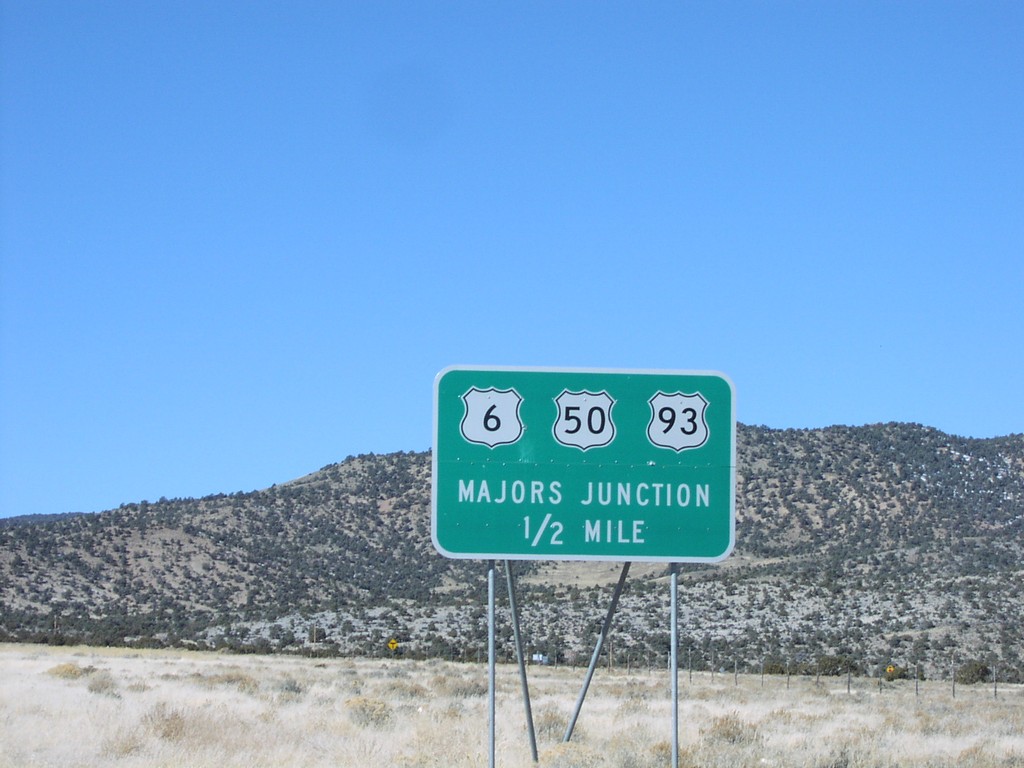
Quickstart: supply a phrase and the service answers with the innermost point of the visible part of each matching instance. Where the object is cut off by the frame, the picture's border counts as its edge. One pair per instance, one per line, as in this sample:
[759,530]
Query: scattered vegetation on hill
[891,544]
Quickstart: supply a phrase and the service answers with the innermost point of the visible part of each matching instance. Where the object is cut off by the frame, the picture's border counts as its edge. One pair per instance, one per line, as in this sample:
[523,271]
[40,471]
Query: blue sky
[238,240]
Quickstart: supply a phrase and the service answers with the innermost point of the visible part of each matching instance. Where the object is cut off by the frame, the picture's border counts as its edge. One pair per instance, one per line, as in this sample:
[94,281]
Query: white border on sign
[594,558]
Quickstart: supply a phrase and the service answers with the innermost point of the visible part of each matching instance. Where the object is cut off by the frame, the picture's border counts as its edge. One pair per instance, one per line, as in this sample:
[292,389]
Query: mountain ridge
[883,541]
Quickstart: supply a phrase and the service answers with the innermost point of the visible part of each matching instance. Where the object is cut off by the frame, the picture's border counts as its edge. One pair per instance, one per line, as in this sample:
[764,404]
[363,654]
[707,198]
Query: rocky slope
[890,543]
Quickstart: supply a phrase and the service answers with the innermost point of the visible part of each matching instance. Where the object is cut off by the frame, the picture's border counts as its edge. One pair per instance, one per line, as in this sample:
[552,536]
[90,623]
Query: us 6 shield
[492,416]
[579,464]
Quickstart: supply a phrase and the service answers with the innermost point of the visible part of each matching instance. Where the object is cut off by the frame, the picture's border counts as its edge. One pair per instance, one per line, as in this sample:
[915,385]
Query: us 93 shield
[677,421]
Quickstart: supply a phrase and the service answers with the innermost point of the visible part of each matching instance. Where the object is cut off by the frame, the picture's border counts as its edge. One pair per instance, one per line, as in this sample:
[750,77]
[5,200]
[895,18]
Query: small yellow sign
[890,669]
[393,644]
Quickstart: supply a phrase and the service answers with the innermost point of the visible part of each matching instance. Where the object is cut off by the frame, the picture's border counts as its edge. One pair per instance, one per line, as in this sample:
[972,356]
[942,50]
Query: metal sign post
[674,662]
[514,608]
[491,662]
[597,652]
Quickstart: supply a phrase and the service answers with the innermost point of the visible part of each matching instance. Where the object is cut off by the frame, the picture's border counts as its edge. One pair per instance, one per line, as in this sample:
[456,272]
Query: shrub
[166,722]
[833,666]
[409,690]
[458,687]
[69,671]
[290,688]
[122,743]
[367,712]
[730,729]
[549,723]
[243,681]
[973,672]
[103,682]
[573,755]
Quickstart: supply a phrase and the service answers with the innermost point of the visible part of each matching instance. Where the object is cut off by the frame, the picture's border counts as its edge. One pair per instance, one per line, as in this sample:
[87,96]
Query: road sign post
[580,464]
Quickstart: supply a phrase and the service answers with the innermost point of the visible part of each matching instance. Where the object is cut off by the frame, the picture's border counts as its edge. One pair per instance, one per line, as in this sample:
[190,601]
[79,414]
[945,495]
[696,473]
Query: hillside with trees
[856,546]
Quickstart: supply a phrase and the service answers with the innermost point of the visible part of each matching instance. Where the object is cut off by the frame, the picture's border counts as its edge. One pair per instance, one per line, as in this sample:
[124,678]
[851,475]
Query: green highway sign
[579,464]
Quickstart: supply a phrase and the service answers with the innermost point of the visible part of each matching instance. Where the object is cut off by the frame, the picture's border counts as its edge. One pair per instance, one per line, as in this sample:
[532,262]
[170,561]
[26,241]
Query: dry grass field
[98,707]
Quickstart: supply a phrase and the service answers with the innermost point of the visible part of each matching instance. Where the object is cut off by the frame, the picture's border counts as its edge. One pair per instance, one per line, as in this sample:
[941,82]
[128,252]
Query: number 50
[597,419]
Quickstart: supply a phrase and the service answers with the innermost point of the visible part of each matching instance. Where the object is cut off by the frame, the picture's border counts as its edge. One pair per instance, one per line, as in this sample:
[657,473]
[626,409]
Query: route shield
[677,421]
[584,419]
[492,416]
